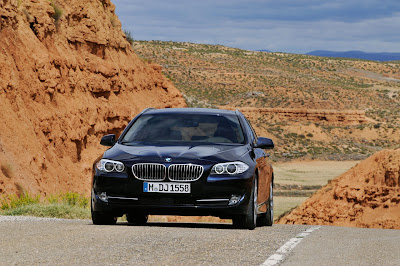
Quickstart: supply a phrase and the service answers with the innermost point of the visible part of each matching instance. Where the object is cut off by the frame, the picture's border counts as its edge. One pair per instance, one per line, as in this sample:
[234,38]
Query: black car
[184,161]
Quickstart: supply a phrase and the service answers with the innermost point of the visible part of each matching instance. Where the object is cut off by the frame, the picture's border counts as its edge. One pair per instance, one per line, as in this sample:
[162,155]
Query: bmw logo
[168,159]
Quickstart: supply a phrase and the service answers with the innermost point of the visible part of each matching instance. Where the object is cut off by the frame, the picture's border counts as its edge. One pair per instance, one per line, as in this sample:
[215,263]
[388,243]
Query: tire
[270,212]
[137,218]
[267,219]
[249,220]
[103,218]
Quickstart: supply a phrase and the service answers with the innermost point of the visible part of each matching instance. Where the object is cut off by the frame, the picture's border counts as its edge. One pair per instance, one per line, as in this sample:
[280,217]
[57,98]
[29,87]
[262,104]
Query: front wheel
[249,220]
[270,212]
[267,219]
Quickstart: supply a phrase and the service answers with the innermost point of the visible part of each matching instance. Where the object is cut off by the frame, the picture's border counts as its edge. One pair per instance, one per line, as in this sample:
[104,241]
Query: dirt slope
[368,195]
[65,80]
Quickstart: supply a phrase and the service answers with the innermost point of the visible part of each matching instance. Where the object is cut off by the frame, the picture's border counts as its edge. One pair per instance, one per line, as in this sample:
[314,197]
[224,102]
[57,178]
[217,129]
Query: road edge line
[281,253]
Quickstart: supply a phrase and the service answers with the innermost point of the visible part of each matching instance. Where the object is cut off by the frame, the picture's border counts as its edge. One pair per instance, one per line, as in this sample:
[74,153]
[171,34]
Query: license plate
[166,187]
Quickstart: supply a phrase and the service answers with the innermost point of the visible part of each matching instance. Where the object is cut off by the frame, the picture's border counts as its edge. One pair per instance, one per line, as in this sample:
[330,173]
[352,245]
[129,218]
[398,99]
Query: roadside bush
[57,11]
[129,37]
[50,210]
[69,198]
[13,201]
[70,205]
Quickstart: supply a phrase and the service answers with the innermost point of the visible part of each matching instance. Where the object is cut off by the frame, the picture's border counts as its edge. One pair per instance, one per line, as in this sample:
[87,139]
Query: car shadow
[182,225]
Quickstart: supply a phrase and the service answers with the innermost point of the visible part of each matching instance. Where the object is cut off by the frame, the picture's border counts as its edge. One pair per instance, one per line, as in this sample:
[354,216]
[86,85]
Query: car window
[203,128]
[253,132]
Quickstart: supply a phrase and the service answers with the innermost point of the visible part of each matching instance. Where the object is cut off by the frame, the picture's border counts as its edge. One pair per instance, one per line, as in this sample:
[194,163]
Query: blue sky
[294,26]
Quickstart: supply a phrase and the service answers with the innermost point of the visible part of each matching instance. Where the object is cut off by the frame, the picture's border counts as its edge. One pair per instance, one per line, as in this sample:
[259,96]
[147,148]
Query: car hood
[178,154]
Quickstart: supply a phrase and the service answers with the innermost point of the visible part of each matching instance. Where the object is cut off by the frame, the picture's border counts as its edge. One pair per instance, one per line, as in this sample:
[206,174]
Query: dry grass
[68,205]
[310,173]
[284,204]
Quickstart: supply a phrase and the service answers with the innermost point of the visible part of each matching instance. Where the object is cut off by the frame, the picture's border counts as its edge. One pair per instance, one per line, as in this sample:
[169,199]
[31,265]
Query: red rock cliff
[67,76]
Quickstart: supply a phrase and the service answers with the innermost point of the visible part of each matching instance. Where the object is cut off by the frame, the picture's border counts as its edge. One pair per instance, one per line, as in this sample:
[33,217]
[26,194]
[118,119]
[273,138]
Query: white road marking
[280,254]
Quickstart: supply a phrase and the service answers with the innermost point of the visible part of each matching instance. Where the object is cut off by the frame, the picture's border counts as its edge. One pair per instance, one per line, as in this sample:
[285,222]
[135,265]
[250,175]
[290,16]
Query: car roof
[190,111]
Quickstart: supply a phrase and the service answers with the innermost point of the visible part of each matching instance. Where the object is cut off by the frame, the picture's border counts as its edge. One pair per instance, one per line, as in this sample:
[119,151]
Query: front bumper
[209,196]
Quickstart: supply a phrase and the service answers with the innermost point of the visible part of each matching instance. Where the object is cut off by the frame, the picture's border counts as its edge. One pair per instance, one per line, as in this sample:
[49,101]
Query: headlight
[108,166]
[231,168]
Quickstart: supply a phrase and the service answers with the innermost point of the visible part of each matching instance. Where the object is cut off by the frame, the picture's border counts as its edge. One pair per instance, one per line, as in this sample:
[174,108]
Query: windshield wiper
[125,143]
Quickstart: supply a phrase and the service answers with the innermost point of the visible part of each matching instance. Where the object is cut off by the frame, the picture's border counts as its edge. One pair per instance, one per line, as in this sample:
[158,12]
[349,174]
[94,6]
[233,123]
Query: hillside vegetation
[363,96]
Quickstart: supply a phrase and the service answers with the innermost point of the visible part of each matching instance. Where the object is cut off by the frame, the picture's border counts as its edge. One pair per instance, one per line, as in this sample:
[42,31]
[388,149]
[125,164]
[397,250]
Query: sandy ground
[310,173]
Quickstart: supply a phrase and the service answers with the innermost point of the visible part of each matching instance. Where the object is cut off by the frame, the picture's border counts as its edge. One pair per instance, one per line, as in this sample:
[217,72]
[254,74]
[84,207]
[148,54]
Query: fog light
[235,199]
[103,197]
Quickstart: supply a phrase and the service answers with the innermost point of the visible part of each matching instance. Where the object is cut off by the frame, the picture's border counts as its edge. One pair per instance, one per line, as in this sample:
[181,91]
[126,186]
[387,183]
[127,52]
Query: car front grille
[158,172]
[184,172]
[149,171]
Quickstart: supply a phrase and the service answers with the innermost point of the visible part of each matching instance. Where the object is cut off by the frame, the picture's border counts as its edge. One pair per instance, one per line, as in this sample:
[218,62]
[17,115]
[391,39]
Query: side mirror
[108,140]
[264,143]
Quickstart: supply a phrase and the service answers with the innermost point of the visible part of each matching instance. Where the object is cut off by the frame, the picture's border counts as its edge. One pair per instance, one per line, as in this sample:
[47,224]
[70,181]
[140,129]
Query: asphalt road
[331,245]
[76,242]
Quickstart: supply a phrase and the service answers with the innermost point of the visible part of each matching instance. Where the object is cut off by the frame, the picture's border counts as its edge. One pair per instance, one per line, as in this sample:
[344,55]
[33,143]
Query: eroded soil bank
[368,195]
[67,76]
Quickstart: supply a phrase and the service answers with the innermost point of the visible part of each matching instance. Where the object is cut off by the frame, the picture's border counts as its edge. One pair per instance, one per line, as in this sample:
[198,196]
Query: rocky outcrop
[368,195]
[332,117]
[67,76]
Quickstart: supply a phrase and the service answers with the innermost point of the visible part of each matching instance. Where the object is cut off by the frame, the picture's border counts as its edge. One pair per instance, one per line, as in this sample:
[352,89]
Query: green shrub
[13,201]
[129,37]
[69,198]
[75,199]
[57,11]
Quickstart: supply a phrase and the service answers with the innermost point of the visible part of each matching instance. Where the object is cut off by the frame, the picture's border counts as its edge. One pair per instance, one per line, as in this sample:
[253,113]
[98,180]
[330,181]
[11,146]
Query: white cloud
[245,26]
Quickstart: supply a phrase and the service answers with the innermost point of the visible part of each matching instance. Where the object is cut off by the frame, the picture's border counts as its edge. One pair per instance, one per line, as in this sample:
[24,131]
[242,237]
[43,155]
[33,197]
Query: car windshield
[203,128]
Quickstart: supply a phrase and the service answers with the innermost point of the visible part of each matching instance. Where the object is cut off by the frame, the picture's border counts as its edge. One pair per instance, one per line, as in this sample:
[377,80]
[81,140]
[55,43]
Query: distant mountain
[358,55]
[267,51]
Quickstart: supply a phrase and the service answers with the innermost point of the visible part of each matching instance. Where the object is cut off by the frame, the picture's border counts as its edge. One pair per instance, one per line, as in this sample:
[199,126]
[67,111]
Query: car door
[264,171]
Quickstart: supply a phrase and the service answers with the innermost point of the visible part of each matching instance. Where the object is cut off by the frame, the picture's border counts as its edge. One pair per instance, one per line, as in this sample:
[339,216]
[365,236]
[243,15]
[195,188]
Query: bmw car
[185,161]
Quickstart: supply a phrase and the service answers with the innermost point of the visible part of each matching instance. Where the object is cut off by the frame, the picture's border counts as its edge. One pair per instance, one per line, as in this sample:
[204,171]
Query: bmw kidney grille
[158,172]
[185,172]
[149,171]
